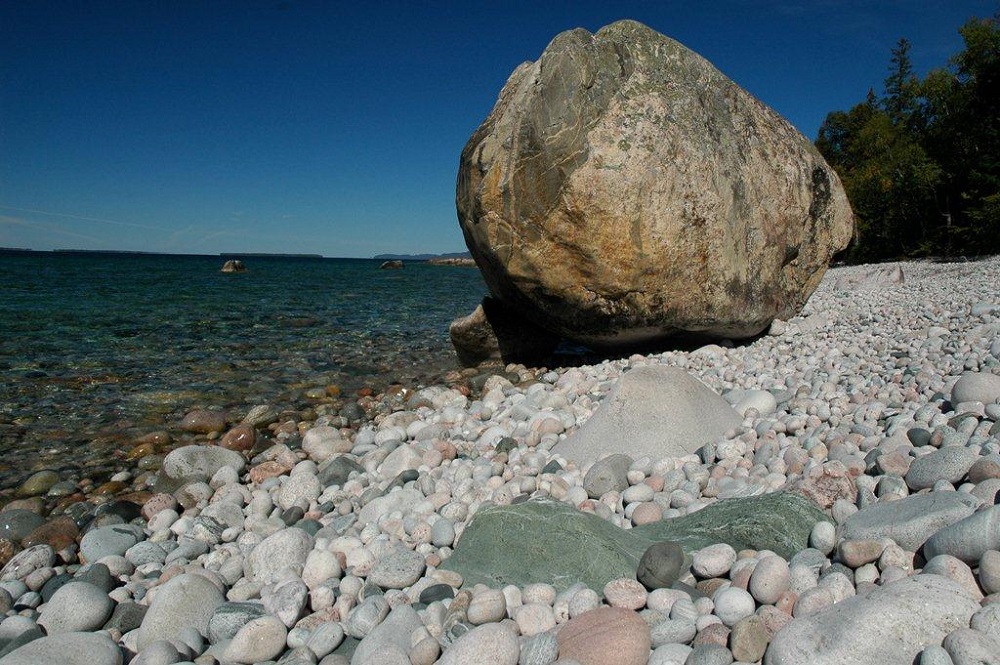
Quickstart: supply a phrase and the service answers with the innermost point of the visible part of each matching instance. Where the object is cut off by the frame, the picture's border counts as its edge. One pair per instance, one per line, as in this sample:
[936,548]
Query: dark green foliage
[921,163]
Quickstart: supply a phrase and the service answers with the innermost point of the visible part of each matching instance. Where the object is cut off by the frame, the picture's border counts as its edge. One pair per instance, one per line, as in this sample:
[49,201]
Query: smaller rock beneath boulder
[609,474]
[661,565]
[493,331]
[976,387]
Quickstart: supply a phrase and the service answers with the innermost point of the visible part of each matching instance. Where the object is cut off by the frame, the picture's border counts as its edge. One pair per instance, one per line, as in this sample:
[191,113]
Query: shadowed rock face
[623,191]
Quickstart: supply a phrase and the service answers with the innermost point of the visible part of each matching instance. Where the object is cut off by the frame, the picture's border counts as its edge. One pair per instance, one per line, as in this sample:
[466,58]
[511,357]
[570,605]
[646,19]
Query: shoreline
[839,404]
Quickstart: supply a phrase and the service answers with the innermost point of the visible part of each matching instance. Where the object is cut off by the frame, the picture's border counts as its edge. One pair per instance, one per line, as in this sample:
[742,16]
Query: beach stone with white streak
[890,625]
[540,649]
[185,601]
[909,521]
[489,644]
[260,640]
[78,648]
[656,411]
[76,607]
[28,561]
[968,539]
[398,568]
[286,549]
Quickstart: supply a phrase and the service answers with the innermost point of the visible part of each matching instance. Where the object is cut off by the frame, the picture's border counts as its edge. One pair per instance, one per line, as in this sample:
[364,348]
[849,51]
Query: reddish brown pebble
[605,635]
[715,633]
[109,488]
[156,503]
[241,438]
[202,421]
[266,470]
[58,534]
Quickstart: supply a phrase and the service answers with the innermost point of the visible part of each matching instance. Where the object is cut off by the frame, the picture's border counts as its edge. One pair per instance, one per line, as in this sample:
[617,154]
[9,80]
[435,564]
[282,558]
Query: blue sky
[335,128]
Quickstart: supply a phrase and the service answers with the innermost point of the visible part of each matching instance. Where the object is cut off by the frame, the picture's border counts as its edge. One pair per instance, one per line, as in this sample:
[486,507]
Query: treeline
[921,162]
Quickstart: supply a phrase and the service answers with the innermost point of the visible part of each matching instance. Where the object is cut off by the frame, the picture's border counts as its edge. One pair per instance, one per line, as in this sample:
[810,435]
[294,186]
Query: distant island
[452,259]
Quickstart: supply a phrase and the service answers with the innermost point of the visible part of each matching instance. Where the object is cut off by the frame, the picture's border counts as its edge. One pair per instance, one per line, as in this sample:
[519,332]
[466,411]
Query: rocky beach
[839,507]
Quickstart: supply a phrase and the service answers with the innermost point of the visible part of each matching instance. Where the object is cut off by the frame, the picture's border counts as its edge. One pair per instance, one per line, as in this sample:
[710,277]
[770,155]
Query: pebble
[187,600]
[487,606]
[605,635]
[976,387]
[771,577]
[261,639]
[76,607]
[661,565]
[72,648]
[609,474]
[713,561]
[534,618]
[540,649]
[968,539]
[625,592]
[733,604]
[494,643]
[949,463]
[971,647]
[398,569]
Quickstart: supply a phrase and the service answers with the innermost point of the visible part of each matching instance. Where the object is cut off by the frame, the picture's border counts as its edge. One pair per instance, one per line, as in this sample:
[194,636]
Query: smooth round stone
[398,569]
[259,640]
[949,463]
[185,600]
[987,620]
[609,474]
[968,539]
[160,652]
[67,649]
[749,639]
[112,540]
[856,553]
[494,643]
[661,565]
[673,631]
[366,616]
[647,513]
[283,550]
[935,655]
[299,488]
[970,647]
[605,635]
[626,593]
[989,571]
[771,577]
[28,561]
[76,607]
[534,618]
[709,654]
[442,533]
[670,654]
[638,494]
[38,483]
[823,537]
[229,617]
[540,649]
[713,561]
[583,601]
[488,606]
[976,387]
[325,638]
[17,523]
[320,566]
[436,592]
[733,604]
[539,592]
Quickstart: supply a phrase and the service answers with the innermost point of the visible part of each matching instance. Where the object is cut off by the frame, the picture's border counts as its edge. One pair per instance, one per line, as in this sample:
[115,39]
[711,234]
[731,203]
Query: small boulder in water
[233,266]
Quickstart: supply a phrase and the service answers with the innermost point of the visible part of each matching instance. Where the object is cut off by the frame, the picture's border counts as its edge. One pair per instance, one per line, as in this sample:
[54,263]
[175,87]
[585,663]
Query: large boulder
[624,191]
[539,540]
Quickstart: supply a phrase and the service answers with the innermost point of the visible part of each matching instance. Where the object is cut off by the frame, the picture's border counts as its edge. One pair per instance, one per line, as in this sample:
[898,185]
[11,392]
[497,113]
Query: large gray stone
[112,540]
[909,521]
[76,607]
[67,649]
[656,410]
[968,539]
[185,601]
[976,387]
[613,195]
[950,463]
[283,550]
[394,630]
[196,463]
[890,625]
[540,540]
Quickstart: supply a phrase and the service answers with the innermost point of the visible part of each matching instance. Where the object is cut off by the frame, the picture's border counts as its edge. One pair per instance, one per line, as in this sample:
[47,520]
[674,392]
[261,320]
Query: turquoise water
[93,345]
